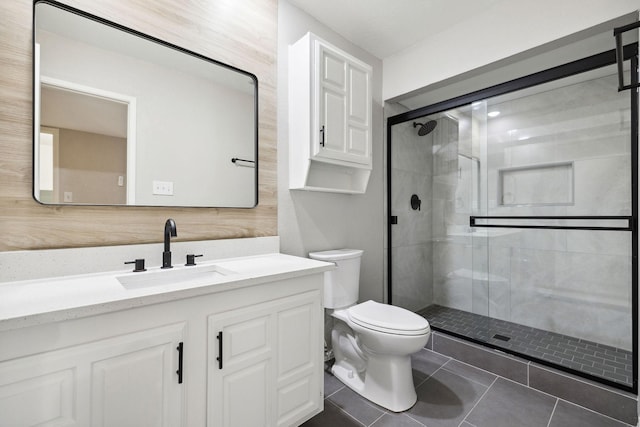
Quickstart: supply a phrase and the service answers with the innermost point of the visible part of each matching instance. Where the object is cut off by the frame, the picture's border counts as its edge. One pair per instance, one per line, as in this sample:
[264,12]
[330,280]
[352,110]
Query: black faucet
[169,231]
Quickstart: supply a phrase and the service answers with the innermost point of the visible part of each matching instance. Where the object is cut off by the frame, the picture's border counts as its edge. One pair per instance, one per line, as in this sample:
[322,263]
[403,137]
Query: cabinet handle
[219,358]
[180,348]
[322,136]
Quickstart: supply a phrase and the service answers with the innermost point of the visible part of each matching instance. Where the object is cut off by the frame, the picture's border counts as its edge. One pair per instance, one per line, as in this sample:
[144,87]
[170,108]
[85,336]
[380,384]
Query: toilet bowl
[372,342]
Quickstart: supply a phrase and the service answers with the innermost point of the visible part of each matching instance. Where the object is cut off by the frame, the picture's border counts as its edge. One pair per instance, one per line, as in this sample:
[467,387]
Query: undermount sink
[198,275]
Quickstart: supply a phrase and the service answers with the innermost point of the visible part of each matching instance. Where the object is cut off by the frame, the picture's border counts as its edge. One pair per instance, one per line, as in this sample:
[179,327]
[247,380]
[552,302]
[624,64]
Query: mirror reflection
[124,119]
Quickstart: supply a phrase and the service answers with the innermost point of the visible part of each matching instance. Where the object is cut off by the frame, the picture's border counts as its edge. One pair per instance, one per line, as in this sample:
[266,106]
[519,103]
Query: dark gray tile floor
[603,361]
[454,394]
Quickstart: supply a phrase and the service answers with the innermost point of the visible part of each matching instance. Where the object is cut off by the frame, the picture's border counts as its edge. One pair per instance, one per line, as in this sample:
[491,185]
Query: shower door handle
[322,136]
[622,223]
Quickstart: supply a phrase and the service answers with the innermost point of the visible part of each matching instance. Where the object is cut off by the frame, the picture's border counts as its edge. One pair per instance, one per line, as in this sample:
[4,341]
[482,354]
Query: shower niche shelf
[537,185]
[329,118]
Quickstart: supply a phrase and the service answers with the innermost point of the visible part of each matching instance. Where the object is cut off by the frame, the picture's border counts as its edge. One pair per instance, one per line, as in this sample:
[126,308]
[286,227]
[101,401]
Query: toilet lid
[336,254]
[388,318]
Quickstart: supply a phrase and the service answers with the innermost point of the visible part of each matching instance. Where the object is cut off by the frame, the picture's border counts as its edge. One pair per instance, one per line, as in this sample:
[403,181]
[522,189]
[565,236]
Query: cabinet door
[359,117]
[299,368]
[270,369]
[239,367]
[128,380]
[135,381]
[43,390]
[344,108]
[332,84]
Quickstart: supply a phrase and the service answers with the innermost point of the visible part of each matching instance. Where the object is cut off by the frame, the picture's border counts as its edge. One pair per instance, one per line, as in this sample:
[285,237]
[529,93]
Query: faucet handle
[191,259]
[139,265]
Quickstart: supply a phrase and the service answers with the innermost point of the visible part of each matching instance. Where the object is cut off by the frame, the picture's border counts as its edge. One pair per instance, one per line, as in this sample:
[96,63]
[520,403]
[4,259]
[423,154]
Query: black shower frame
[555,73]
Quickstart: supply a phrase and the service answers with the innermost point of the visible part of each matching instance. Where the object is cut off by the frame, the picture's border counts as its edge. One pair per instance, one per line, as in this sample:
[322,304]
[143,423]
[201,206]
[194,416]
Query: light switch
[120,181]
[163,188]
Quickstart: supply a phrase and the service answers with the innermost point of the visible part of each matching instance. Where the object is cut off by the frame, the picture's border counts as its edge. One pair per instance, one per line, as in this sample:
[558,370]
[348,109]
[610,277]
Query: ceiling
[386,27]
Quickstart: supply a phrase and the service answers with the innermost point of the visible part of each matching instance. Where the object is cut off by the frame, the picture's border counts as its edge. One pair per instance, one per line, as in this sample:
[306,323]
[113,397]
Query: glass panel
[562,149]
[564,296]
[411,247]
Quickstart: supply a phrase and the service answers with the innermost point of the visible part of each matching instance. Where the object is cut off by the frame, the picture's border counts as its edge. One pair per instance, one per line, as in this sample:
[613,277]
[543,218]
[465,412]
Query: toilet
[372,342]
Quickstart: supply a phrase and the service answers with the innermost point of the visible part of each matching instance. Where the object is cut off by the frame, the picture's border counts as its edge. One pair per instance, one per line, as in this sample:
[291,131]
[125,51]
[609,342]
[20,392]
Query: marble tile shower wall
[411,240]
[572,282]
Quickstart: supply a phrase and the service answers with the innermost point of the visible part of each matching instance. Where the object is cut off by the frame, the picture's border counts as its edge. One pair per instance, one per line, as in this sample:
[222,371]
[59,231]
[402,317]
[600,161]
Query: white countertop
[31,302]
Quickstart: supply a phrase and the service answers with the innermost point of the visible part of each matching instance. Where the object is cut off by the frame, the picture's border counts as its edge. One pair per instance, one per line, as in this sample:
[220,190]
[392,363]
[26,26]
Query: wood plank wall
[242,33]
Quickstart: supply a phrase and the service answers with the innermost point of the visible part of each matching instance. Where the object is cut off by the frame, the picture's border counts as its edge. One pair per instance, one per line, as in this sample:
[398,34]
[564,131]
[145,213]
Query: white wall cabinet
[127,380]
[119,369]
[263,362]
[329,118]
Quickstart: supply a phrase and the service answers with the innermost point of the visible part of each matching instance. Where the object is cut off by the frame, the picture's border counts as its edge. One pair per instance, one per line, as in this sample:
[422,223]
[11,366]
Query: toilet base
[387,381]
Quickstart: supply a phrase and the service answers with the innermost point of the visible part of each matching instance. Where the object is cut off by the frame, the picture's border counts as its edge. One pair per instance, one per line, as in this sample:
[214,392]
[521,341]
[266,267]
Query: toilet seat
[388,318]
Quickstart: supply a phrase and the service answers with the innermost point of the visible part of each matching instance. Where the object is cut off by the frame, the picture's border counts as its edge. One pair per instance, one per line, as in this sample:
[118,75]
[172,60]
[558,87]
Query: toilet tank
[340,285]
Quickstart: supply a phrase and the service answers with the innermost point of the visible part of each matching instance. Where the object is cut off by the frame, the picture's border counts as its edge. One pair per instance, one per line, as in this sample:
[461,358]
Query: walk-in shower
[526,238]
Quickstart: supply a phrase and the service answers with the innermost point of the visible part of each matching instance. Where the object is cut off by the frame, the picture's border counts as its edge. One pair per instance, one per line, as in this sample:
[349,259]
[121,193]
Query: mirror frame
[36,80]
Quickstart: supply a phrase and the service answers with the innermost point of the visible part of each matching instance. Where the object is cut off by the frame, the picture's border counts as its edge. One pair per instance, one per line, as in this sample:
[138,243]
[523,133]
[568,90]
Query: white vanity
[243,335]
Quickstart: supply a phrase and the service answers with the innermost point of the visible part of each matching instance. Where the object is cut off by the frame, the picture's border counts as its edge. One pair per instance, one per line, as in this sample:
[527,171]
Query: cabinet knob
[322,136]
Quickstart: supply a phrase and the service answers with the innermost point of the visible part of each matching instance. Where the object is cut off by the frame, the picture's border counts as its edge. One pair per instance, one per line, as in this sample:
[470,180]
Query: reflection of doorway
[96,144]
[48,165]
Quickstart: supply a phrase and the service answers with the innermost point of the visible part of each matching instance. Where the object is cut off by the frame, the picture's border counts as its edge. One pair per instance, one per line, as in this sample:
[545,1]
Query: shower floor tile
[603,361]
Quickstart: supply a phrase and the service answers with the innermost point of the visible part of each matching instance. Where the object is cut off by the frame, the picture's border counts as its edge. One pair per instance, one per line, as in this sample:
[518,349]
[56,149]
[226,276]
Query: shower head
[425,128]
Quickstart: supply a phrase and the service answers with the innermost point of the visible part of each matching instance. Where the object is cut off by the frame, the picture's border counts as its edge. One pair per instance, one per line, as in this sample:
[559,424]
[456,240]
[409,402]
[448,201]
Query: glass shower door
[558,224]
[512,221]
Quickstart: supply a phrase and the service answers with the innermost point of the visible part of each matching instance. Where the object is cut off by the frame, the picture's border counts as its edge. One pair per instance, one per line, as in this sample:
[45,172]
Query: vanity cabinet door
[264,366]
[128,380]
[239,367]
[135,380]
[43,390]
[299,366]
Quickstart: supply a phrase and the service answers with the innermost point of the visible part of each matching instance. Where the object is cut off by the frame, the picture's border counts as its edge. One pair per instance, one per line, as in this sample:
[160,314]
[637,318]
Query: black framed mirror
[123,118]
